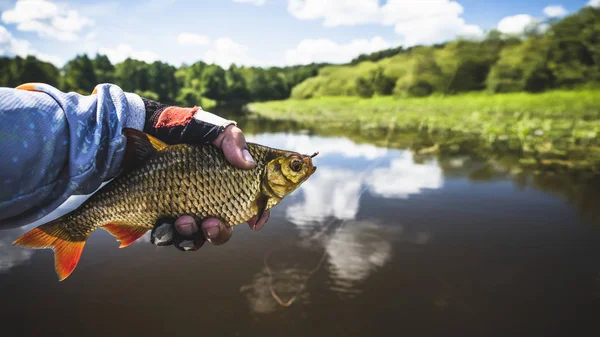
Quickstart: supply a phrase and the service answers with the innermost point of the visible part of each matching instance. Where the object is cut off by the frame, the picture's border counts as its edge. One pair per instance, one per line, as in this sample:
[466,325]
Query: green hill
[563,54]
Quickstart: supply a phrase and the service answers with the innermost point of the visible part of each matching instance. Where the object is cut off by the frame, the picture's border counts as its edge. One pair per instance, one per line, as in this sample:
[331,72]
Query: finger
[235,148]
[186,225]
[187,238]
[162,233]
[216,232]
[257,225]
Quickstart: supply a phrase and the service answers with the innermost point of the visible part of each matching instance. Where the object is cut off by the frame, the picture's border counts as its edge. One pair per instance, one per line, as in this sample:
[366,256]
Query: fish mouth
[308,160]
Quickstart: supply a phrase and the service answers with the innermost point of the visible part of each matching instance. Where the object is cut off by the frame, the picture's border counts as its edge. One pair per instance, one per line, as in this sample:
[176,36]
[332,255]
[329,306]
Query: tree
[379,55]
[236,85]
[214,85]
[163,82]
[522,67]
[382,84]
[424,77]
[256,81]
[104,70]
[276,82]
[16,71]
[189,97]
[132,75]
[364,87]
[79,75]
[574,48]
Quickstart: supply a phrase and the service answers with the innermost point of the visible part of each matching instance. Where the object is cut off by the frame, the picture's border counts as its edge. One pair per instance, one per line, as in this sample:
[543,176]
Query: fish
[160,180]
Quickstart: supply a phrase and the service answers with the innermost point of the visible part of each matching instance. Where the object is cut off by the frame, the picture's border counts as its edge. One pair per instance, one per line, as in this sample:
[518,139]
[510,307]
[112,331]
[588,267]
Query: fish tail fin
[67,250]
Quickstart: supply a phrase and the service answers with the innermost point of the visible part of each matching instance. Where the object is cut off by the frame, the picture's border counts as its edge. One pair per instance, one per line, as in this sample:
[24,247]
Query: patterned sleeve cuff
[137,112]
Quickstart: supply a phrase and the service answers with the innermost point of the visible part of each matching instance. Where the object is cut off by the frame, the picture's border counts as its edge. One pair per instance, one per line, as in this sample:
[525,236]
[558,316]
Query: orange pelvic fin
[67,250]
[125,233]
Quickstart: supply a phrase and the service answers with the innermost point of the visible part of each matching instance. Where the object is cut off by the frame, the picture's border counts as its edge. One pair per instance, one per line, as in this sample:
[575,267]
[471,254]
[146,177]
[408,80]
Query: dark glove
[174,125]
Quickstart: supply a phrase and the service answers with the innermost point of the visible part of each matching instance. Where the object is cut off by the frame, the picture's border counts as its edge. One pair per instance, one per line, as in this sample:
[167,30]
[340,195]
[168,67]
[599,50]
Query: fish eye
[296,165]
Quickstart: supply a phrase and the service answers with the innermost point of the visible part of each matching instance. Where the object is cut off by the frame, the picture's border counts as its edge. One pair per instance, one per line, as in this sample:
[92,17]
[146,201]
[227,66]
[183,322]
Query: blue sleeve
[55,144]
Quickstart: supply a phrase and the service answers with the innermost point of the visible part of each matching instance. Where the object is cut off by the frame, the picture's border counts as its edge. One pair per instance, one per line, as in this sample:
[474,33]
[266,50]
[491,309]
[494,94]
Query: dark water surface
[376,243]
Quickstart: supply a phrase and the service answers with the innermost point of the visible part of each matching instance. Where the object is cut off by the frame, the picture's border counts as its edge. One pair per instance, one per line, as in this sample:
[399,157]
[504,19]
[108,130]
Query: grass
[555,130]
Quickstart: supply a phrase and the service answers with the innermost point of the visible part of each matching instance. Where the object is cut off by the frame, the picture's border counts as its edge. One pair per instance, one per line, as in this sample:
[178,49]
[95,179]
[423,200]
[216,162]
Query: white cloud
[594,3]
[418,22]
[428,22]
[555,11]
[324,50]
[515,24]
[190,39]
[46,19]
[123,51]
[104,8]
[225,51]
[5,35]
[11,46]
[252,2]
[90,36]
[336,12]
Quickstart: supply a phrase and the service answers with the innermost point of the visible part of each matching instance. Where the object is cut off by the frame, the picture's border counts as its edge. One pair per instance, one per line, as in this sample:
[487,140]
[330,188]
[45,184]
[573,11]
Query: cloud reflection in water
[11,256]
[345,170]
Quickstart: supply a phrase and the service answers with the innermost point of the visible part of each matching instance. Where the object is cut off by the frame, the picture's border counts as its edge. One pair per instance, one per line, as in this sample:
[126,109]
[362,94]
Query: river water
[378,242]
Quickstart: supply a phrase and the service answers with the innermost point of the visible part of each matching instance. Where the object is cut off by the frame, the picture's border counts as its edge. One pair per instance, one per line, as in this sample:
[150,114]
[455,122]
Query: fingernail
[185,229]
[247,156]
[212,232]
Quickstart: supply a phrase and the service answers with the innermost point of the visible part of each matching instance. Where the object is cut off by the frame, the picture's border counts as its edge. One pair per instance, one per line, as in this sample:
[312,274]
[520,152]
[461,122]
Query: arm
[57,144]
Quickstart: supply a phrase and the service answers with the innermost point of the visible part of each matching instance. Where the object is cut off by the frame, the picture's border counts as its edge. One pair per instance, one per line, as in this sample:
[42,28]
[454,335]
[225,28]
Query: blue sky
[254,32]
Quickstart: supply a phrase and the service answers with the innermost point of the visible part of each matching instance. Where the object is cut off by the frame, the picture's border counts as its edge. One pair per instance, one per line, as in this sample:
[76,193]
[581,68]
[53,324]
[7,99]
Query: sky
[254,32]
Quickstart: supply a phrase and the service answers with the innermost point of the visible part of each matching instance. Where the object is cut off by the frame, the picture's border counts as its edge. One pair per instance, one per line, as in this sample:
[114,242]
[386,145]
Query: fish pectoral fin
[261,203]
[140,146]
[67,251]
[125,233]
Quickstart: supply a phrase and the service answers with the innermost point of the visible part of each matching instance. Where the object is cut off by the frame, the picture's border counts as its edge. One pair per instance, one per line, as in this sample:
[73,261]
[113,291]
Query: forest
[561,54]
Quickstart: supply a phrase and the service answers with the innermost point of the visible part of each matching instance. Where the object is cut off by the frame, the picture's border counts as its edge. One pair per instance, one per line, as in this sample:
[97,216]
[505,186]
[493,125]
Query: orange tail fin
[67,250]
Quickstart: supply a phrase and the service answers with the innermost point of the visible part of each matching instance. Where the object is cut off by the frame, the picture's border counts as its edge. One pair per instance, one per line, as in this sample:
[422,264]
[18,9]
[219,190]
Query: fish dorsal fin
[125,233]
[140,146]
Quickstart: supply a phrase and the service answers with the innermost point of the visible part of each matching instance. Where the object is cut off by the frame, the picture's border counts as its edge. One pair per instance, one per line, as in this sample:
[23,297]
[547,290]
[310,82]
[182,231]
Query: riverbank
[557,130]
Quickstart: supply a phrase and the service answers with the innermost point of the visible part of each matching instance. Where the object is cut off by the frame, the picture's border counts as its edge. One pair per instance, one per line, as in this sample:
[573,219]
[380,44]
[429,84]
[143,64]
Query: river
[379,242]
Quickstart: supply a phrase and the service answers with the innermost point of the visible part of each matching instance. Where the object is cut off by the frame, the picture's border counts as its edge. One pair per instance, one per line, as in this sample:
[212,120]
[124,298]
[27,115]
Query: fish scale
[177,186]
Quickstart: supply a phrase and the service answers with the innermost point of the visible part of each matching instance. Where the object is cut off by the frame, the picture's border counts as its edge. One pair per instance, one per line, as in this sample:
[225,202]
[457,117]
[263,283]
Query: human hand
[187,236]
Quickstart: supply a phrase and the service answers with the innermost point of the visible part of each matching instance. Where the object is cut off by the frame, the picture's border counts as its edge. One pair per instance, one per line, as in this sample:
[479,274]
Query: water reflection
[403,177]
[329,193]
[12,256]
[325,212]
[356,252]
[344,167]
